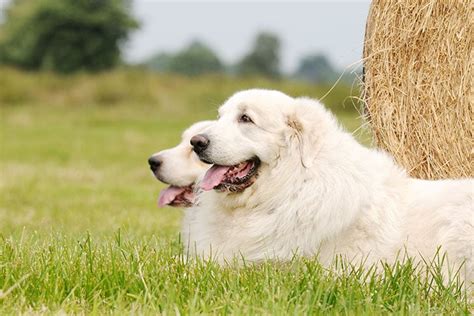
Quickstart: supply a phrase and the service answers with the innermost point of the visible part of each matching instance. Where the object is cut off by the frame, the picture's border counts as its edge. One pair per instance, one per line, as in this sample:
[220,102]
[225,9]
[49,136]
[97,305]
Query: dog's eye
[244,118]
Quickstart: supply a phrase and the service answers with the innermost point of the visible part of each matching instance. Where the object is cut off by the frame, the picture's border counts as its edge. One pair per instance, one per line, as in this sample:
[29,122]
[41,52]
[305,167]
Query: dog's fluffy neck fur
[323,223]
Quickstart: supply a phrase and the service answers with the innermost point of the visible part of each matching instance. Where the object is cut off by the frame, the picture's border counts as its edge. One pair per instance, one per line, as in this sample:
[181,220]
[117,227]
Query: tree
[195,59]
[160,62]
[66,35]
[264,59]
[316,68]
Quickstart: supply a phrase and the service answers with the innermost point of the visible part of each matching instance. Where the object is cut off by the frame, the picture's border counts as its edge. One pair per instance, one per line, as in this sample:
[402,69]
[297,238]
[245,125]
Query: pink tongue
[214,177]
[169,194]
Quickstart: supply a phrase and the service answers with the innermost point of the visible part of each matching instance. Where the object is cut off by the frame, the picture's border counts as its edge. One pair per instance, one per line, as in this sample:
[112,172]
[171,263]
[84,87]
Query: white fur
[320,192]
[180,164]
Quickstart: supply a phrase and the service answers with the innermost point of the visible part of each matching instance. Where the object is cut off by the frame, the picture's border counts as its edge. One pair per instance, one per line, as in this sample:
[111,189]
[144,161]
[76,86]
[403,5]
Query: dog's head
[179,167]
[258,130]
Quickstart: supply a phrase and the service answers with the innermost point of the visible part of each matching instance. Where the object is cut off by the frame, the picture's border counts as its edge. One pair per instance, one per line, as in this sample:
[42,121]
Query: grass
[80,231]
[148,275]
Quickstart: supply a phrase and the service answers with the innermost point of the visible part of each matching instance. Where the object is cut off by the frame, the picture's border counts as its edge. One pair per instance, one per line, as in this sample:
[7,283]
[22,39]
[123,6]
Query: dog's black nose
[200,143]
[154,162]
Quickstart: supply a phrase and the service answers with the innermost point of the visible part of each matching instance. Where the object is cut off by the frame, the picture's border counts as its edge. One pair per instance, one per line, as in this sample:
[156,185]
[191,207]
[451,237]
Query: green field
[80,231]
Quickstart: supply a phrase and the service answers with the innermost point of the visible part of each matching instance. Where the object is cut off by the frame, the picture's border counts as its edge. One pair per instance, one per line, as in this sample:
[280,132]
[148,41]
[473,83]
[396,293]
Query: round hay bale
[418,61]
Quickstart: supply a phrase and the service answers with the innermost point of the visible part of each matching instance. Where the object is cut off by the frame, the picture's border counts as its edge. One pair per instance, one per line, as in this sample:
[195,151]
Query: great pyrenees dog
[179,167]
[286,179]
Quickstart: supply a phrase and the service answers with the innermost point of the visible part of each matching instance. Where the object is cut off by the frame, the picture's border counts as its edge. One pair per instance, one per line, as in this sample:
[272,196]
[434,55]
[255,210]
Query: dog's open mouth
[234,178]
[177,196]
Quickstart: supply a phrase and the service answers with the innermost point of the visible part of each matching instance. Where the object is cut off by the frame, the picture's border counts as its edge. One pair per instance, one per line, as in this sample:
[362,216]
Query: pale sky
[333,27]
[229,27]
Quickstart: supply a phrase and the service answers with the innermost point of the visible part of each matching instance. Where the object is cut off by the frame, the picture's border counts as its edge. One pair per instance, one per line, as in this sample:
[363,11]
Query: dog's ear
[303,124]
[298,137]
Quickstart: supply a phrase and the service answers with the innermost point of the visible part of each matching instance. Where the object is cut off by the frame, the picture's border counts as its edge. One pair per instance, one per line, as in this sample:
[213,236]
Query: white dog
[180,167]
[287,179]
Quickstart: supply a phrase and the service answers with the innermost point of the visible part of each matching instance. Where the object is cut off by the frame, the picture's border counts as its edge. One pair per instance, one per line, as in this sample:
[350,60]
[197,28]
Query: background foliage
[66,35]
[263,59]
[196,59]
[86,35]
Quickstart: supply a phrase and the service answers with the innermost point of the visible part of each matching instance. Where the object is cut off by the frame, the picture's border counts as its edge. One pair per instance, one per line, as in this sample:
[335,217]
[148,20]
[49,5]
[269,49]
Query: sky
[332,27]
[335,28]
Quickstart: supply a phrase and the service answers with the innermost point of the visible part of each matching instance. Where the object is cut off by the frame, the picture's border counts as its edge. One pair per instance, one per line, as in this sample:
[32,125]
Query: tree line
[263,60]
[86,35]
